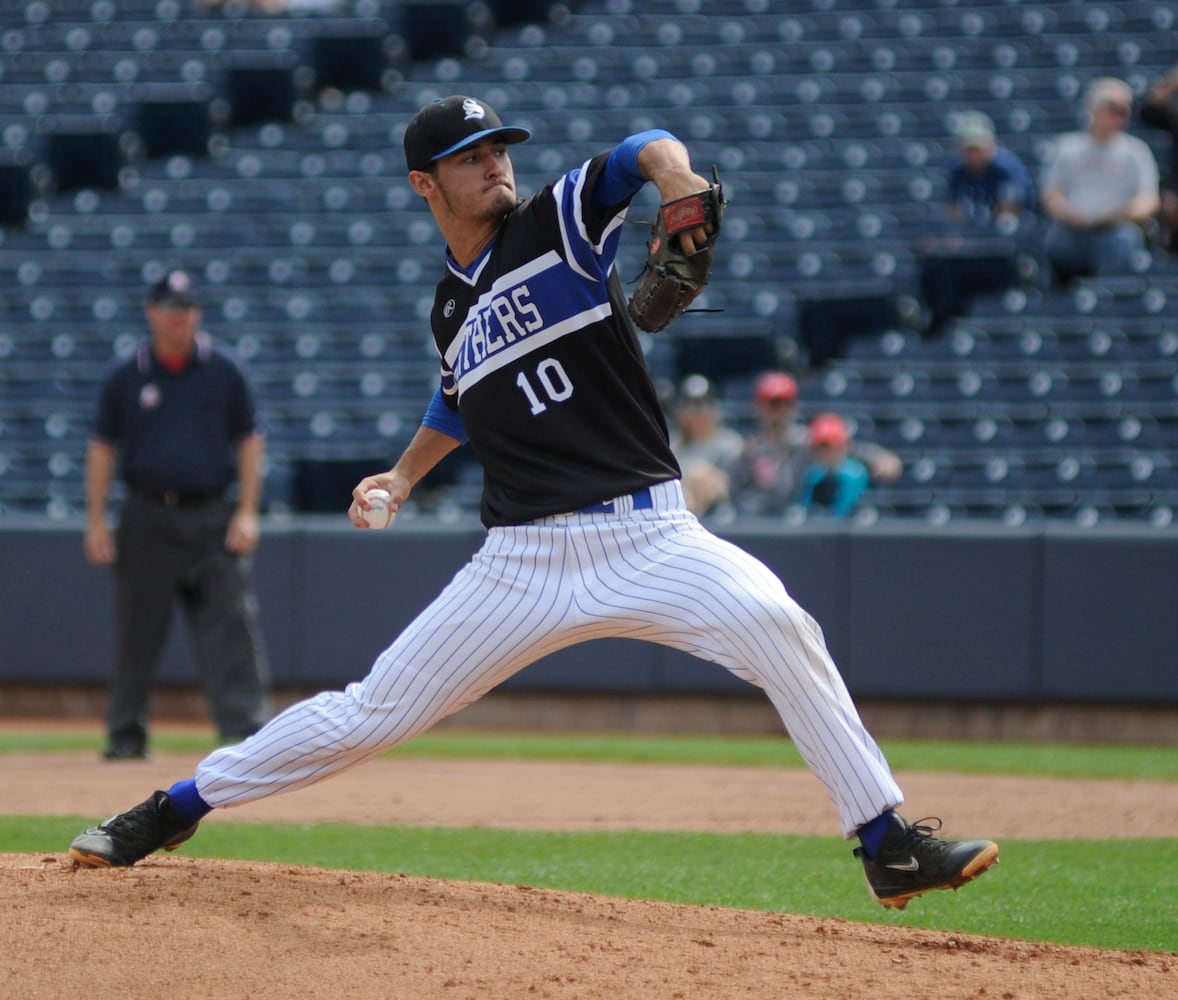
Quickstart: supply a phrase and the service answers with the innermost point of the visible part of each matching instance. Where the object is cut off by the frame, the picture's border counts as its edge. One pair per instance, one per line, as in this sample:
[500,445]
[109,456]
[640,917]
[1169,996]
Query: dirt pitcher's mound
[178,928]
[175,927]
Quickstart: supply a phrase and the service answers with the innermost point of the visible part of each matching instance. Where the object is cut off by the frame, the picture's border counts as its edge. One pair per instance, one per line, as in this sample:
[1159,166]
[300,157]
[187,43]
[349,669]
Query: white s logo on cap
[472,109]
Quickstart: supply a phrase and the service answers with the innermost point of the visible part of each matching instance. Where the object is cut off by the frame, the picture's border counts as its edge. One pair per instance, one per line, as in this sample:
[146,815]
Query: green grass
[1048,760]
[1112,894]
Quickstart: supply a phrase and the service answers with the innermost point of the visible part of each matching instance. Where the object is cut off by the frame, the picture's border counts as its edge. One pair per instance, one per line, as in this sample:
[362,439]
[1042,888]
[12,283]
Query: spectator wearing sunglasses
[1100,190]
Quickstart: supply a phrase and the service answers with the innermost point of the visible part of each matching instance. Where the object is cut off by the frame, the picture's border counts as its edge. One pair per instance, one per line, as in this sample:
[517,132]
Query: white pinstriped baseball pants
[655,575]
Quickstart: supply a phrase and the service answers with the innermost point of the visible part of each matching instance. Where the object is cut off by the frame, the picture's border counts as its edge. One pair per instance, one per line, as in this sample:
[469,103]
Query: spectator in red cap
[834,480]
[778,453]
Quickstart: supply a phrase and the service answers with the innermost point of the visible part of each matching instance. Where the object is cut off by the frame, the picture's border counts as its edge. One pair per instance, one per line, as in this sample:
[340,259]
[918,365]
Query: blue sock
[187,802]
[871,834]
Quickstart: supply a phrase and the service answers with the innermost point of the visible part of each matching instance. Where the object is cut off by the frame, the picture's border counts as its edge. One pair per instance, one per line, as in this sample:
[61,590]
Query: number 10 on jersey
[553,382]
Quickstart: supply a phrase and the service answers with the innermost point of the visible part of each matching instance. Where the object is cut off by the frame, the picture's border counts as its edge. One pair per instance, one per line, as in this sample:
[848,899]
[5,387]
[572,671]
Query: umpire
[179,421]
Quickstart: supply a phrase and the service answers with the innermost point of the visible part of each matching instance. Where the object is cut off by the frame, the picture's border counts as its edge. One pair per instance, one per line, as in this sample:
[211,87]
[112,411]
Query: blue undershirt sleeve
[621,179]
[439,417]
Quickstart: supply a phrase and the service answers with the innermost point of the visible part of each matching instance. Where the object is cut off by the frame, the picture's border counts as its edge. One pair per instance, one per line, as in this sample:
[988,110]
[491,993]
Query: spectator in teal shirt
[834,481]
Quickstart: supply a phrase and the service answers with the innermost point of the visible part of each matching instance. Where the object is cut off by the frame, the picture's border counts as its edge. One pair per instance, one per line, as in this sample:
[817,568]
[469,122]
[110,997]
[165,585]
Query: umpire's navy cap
[452,123]
[174,289]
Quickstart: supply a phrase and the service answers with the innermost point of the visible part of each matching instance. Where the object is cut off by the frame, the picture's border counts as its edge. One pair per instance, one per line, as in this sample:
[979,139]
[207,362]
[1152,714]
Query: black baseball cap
[452,123]
[174,289]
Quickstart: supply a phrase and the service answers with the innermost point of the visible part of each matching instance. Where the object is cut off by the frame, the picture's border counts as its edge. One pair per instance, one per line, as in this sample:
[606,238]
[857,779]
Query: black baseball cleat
[911,861]
[126,838]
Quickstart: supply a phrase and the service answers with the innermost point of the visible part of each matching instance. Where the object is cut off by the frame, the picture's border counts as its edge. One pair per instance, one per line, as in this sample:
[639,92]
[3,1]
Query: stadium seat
[826,121]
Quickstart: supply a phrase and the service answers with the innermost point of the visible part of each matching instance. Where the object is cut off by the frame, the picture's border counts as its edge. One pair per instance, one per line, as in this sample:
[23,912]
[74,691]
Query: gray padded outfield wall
[981,612]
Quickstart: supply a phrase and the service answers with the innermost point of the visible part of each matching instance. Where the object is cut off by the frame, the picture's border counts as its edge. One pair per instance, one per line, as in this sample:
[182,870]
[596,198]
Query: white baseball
[381,514]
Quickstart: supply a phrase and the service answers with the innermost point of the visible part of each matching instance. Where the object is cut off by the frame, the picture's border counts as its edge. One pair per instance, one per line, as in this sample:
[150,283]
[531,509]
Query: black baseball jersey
[543,364]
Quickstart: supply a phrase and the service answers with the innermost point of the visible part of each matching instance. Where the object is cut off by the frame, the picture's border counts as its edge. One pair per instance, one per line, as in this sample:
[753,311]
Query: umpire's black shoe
[125,748]
[126,743]
[911,861]
[124,839]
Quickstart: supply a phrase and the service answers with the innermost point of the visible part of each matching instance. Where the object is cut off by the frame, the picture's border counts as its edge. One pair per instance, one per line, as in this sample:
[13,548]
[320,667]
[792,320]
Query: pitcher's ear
[422,181]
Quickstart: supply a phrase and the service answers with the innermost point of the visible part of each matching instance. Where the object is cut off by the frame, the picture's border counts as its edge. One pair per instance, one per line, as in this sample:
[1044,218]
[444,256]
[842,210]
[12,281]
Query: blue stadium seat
[827,123]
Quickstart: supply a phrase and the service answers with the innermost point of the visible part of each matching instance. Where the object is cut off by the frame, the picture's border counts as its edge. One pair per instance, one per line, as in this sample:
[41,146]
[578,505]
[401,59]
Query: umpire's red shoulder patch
[686,213]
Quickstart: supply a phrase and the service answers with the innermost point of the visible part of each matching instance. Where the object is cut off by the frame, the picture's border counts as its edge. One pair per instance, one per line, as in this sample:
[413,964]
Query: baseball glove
[670,279]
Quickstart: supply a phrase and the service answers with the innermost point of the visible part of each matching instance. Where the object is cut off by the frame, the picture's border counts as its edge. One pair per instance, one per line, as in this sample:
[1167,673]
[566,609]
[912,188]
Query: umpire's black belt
[178,499]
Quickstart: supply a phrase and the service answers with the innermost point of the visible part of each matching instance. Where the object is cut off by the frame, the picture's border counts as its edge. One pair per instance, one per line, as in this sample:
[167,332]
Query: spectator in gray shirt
[1100,189]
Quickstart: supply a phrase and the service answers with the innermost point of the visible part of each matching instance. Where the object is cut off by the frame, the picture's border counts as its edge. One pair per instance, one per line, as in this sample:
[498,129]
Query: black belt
[179,498]
[642,501]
